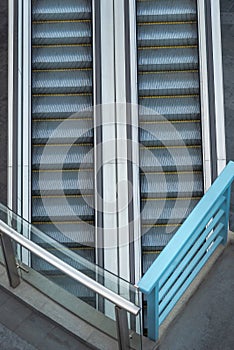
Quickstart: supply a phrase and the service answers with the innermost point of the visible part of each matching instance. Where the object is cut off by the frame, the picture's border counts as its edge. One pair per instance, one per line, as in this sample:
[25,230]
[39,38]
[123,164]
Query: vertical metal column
[9,257]
[122,328]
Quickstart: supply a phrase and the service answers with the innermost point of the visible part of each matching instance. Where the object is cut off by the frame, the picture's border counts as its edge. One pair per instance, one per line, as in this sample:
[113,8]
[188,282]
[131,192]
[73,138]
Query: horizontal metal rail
[188,251]
[69,270]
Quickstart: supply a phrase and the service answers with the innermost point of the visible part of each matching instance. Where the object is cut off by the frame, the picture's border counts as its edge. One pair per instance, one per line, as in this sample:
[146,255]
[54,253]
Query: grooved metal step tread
[63,208]
[148,261]
[167,59]
[42,265]
[55,10]
[170,134]
[167,211]
[70,232]
[76,182]
[157,236]
[61,33]
[62,82]
[176,83]
[171,185]
[166,10]
[187,107]
[62,106]
[173,159]
[65,157]
[62,57]
[167,34]
[72,287]
[71,131]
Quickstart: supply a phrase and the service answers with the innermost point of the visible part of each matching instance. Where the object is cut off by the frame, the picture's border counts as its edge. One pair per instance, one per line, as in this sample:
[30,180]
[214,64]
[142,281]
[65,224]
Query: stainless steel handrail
[69,270]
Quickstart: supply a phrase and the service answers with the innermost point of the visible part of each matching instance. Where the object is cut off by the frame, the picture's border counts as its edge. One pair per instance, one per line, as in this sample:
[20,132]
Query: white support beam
[26,120]
[122,142]
[110,239]
[10,101]
[135,141]
[19,114]
[218,85]
[204,95]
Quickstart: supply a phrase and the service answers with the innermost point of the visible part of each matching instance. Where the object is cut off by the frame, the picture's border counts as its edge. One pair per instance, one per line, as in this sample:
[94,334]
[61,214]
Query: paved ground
[21,328]
[207,323]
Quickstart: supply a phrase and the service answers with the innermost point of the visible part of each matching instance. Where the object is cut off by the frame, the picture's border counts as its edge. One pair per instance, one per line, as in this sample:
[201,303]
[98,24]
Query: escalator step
[62,156]
[62,82]
[67,131]
[159,59]
[166,210]
[157,235]
[148,259]
[63,182]
[171,158]
[166,10]
[68,232]
[64,10]
[170,134]
[74,56]
[63,207]
[167,185]
[169,108]
[87,253]
[61,33]
[167,34]
[178,83]
[61,106]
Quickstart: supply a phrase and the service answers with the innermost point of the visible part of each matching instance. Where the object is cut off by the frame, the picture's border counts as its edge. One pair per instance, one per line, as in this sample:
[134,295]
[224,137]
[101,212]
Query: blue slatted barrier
[188,251]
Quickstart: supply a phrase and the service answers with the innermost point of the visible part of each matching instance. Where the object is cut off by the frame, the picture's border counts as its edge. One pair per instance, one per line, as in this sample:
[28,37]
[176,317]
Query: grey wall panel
[227,21]
[3,99]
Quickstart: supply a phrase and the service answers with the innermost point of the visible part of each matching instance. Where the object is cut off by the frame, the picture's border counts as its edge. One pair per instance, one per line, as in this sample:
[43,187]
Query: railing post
[9,257]
[225,219]
[122,328]
[228,200]
[153,313]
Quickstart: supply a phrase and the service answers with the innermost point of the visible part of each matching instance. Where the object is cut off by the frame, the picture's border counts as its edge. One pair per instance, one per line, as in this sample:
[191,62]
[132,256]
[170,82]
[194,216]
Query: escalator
[169,117]
[62,129]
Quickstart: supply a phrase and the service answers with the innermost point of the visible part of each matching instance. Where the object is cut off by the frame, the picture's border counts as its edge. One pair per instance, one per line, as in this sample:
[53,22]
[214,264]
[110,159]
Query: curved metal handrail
[69,270]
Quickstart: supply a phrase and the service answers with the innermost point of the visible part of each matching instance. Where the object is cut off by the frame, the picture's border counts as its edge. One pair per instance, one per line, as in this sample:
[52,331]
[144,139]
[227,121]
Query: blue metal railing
[187,252]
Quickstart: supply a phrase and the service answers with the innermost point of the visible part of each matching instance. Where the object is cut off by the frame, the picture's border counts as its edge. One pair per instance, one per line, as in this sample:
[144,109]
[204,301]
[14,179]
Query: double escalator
[171,175]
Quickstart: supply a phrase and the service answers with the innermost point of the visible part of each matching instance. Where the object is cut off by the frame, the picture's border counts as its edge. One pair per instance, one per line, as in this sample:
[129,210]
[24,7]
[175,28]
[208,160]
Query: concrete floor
[22,328]
[207,322]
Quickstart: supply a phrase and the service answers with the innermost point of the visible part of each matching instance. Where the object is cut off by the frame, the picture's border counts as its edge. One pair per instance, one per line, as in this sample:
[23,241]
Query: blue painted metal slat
[176,267]
[193,238]
[190,255]
[176,283]
[196,219]
[190,280]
